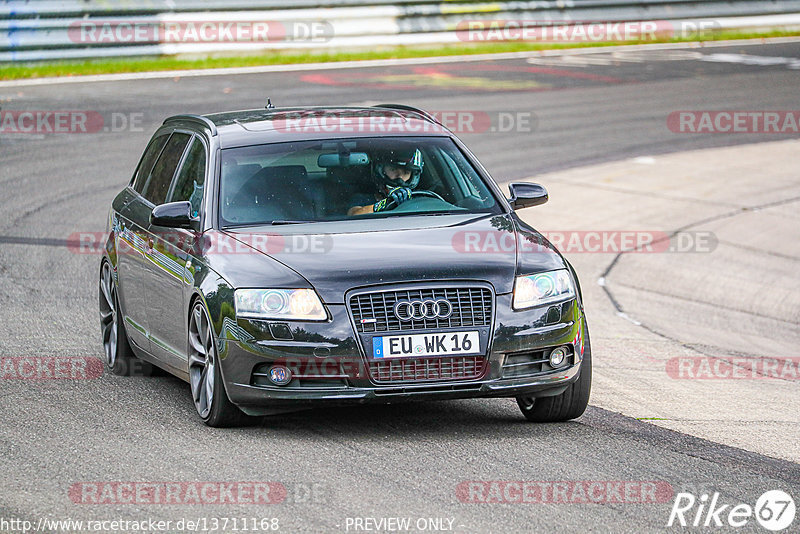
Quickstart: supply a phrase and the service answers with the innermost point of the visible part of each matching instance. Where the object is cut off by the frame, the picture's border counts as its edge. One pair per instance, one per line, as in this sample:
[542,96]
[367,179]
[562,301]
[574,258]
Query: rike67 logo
[774,510]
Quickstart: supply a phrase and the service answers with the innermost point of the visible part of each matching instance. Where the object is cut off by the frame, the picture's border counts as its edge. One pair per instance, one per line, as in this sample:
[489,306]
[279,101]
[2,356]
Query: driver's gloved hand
[396,196]
[399,194]
[380,205]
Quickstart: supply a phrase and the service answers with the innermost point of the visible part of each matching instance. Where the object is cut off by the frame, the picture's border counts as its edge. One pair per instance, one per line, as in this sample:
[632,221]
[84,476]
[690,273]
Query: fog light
[280,375]
[558,356]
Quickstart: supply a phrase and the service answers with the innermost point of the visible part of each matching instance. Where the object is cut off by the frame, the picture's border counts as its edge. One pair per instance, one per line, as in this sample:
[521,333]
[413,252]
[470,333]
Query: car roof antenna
[269,104]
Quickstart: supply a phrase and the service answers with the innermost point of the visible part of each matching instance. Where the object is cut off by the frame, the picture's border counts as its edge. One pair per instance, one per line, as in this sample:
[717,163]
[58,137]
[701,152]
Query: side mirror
[173,215]
[525,195]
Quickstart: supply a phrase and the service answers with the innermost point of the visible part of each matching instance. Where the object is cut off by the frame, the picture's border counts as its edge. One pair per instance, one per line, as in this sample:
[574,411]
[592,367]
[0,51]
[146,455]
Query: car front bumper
[249,346]
[260,399]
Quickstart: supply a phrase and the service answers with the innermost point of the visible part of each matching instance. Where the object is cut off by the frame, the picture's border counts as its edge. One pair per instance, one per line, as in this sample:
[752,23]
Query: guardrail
[44,30]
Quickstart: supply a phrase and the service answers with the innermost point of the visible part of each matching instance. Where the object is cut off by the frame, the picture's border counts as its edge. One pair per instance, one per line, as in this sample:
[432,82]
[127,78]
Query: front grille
[427,369]
[472,306]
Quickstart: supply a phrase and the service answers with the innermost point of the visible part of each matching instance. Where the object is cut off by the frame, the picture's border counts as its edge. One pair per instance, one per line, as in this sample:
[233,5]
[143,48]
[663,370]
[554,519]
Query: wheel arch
[208,293]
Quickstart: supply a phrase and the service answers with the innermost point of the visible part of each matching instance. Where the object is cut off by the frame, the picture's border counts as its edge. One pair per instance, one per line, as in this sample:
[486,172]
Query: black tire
[119,356]
[568,405]
[203,359]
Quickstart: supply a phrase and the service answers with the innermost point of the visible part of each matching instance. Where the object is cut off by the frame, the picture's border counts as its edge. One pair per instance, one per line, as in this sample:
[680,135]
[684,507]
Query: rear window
[146,164]
[344,179]
[157,186]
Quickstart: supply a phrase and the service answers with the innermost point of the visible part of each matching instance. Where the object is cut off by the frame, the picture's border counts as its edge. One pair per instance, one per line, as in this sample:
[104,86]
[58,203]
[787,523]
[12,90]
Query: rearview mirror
[525,195]
[173,215]
[352,159]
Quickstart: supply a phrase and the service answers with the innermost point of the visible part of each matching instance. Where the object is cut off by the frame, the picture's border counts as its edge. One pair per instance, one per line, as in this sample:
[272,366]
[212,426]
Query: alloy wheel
[201,360]
[108,314]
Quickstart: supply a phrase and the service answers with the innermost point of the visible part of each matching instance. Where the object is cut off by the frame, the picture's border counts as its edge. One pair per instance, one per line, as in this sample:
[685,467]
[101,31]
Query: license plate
[437,344]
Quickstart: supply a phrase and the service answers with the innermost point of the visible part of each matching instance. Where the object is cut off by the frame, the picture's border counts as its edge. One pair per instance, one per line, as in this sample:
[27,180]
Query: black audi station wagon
[281,259]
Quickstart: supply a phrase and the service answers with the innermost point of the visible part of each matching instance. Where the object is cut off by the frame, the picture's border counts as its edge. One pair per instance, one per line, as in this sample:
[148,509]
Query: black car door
[172,247]
[155,193]
[130,227]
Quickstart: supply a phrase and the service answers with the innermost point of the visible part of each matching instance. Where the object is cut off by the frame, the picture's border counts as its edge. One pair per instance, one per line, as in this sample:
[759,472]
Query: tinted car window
[146,163]
[158,184]
[322,180]
[189,183]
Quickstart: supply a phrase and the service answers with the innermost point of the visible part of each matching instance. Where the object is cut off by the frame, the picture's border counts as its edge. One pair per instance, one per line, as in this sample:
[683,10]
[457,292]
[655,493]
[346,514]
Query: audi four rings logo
[406,310]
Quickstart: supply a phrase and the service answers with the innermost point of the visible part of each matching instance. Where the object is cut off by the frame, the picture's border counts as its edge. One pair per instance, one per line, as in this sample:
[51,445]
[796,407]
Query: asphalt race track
[342,468]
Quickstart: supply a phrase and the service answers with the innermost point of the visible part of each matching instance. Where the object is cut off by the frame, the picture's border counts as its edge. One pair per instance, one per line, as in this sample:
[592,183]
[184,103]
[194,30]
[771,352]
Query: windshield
[330,180]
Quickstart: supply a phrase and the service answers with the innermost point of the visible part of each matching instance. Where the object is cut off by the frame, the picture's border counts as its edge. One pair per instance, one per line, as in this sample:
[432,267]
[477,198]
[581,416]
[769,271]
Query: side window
[146,163]
[189,183]
[155,190]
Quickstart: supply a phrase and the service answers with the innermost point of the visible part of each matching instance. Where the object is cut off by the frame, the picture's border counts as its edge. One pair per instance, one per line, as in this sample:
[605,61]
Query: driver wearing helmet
[396,173]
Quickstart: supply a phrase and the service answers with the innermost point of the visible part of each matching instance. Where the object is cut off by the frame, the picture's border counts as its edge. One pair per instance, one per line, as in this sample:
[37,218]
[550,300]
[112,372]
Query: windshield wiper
[265,223]
[236,226]
[424,213]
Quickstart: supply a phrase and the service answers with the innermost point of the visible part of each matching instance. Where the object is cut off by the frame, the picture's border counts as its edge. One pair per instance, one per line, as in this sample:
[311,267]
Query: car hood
[337,258]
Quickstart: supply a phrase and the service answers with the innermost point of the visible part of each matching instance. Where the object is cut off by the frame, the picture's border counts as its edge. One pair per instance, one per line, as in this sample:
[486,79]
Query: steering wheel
[421,192]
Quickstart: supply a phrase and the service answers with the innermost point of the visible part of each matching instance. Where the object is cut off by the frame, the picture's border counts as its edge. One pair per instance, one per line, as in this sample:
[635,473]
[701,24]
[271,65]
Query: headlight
[289,304]
[542,288]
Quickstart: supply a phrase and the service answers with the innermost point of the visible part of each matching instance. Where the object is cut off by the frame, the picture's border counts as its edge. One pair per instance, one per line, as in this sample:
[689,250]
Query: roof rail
[404,107]
[205,121]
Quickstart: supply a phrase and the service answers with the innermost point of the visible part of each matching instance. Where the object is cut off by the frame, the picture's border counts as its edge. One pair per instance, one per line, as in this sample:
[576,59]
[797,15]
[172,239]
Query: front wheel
[205,378]
[568,405]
